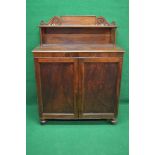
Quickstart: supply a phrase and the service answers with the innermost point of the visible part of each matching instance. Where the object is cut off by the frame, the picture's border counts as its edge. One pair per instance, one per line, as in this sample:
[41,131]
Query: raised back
[78,20]
[77,30]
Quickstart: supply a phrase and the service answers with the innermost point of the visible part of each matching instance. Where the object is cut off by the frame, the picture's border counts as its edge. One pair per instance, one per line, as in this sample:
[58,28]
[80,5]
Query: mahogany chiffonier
[78,69]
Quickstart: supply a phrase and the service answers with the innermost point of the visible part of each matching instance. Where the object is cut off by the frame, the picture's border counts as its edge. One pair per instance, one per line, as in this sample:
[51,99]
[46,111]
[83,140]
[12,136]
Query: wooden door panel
[98,87]
[58,78]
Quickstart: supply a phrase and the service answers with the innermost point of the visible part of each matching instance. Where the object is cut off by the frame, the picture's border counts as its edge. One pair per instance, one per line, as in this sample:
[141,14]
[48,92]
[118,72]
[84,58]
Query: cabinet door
[57,87]
[99,87]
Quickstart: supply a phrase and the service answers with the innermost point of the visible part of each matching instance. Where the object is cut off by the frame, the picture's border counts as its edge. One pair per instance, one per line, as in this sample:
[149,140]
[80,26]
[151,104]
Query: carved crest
[66,20]
[55,21]
[102,21]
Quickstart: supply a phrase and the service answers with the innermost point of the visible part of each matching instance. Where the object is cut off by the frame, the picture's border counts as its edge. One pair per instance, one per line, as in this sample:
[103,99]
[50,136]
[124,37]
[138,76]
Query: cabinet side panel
[99,87]
[57,81]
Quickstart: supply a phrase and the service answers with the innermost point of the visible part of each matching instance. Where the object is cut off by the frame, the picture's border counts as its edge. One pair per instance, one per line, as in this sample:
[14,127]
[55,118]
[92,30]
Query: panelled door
[57,81]
[99,80]
[70,88]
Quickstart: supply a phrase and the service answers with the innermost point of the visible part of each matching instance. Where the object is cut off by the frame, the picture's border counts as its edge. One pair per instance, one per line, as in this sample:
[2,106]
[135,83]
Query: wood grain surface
[78,69]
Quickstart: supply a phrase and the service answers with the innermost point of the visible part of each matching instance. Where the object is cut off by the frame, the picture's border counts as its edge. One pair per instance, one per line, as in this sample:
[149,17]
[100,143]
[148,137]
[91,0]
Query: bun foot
[113,121]
[42,122]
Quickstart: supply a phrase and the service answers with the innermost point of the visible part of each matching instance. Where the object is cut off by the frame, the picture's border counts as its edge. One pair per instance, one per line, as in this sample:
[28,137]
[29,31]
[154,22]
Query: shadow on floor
[78,122]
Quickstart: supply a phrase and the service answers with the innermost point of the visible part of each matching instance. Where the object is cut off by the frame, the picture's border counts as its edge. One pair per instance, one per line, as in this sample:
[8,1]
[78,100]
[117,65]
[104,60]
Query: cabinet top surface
[78,48]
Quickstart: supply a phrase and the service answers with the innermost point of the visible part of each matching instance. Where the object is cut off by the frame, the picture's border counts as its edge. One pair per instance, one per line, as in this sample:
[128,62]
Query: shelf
[77,48]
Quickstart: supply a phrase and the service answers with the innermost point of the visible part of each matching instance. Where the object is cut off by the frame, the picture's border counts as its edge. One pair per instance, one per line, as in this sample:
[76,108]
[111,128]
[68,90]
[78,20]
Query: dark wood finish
[98,85]
[78,69]
[58,86]
[77,35]
[77,21]
[80,48]
[82,30]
